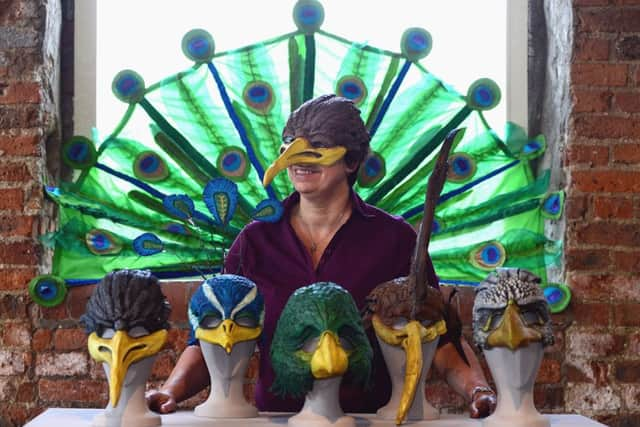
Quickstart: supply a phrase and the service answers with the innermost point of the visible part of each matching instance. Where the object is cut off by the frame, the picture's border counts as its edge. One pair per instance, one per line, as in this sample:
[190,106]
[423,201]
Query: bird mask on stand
[126,319]
[409,311]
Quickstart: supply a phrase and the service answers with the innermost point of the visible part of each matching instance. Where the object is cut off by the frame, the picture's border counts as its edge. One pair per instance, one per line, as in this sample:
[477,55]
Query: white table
[65,417]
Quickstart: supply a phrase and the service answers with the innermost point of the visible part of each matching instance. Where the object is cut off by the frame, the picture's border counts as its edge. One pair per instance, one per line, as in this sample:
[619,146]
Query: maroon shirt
[370,248]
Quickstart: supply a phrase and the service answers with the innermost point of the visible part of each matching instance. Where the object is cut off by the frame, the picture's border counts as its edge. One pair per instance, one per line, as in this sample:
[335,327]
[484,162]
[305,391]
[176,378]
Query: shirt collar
[359,205]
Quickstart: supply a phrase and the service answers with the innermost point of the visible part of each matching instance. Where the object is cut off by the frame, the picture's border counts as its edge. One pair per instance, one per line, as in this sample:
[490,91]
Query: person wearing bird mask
[326,233]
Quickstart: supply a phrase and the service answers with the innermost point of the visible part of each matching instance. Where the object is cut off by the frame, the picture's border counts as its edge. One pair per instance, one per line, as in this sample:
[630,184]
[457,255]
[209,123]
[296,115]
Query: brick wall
[594,368]
[602,163]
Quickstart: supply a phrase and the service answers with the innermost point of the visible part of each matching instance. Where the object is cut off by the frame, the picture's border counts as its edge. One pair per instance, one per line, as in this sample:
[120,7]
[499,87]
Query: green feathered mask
[319,335]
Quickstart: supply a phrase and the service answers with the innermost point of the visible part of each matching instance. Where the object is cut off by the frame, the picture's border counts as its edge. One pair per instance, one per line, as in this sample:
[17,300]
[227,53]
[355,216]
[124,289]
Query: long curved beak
[412,346]
[410,338]
[228,334]
[120,352]
[302,152]
[512,332]
[329,359]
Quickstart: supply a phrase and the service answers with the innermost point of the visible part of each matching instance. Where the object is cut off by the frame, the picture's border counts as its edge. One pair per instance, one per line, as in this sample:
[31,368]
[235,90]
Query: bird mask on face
[319,335]
[321,132]
[225,310]
[126,319]
[409,311]
[511,311]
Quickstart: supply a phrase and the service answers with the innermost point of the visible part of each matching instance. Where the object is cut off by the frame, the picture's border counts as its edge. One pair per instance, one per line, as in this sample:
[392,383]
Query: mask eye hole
[137,332]
[246,320]
[107,333]
[210,321]
[310,345]
[399,323]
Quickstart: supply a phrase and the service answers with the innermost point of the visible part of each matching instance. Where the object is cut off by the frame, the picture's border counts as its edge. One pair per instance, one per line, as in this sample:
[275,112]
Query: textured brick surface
[592,368]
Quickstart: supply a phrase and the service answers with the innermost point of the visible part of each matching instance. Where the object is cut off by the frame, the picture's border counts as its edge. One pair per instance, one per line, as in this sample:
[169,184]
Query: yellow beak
[120,352]
[302,152]
[410,338]
[512,332]
[227,334]
[329,359]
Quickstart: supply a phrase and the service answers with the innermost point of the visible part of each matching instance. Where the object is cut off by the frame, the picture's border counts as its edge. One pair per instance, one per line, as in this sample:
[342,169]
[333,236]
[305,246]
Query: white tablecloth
[64,417]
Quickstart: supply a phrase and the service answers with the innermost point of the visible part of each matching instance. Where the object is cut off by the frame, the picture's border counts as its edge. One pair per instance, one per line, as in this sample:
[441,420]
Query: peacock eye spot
[210,321]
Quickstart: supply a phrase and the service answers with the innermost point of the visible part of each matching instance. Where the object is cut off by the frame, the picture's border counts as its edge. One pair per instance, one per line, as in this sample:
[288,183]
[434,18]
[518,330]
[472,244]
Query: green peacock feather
[143,187]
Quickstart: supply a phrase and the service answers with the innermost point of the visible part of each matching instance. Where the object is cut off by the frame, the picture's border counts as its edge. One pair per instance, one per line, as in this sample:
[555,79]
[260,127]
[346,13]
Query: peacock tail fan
[172,185]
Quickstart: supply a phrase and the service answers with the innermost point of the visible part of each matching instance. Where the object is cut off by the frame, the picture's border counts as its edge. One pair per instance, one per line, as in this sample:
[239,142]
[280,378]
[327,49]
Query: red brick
[163,365]
[633,349]
[15,172]
[13,306]
[176,294]
[64,364]
[591,314]
[627,288]
[592,155]
[177,340]
[576,207]
[587,259]
[586,398]
[77,300]
[41,340]
[608,233]
[70,339]
[578,3]
[16,335]
[607,127]
[549,372]
[591,101]
[590,287]
[598,74]
[17,225]
[610,181]
[58,312]
[628,371]
[626,154]
[12,362]
[588,49]
[547,397]
[13,279]
[74,390]
[11,198]
[627,102]
[582,370]
[592,344]
[20,93]
[21,145]
[627,314]
[612,207]
[25,116]
[613,20]
[628,262]
[26,392]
